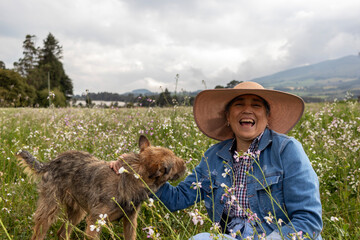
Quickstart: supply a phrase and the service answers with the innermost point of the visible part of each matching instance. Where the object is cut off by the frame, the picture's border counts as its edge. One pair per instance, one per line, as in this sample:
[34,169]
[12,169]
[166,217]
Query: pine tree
[51,67]
[26,64]
[51,51]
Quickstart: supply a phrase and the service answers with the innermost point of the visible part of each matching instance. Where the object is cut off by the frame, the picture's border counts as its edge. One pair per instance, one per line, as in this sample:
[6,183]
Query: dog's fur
[84,185]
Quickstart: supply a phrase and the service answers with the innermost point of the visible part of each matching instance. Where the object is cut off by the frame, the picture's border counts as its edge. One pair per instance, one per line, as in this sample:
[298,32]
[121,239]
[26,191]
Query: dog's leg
[45,215]
[91,220]
[74,215]
[130,224]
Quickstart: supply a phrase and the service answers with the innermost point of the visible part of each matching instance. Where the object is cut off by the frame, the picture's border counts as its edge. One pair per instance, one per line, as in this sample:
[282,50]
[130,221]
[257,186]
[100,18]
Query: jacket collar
[225,152]
[266,139]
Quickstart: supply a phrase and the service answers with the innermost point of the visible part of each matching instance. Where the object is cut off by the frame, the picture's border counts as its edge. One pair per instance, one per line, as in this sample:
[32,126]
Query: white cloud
[119,46]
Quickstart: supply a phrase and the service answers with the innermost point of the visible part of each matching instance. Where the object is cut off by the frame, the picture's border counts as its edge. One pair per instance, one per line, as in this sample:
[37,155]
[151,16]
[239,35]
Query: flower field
[329,132]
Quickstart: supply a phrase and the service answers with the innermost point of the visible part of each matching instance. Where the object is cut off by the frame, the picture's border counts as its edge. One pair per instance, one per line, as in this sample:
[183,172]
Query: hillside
[326,80]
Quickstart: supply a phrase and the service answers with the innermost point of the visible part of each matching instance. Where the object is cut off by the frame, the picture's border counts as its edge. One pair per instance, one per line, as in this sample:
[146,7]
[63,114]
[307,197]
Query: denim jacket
[282,168]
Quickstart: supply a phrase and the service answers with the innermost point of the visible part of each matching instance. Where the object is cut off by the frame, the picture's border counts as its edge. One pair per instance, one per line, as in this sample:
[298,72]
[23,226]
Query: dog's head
[160,163]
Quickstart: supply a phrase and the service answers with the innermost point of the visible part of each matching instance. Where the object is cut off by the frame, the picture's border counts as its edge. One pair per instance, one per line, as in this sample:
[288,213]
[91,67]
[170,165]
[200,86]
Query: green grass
[330,134]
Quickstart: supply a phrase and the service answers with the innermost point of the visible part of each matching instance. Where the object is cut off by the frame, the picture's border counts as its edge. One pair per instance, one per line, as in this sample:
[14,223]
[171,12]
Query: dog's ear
[143,143]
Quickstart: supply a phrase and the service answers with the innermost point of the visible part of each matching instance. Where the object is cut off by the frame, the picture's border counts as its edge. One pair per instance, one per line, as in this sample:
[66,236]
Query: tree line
[38,78]
[163,99]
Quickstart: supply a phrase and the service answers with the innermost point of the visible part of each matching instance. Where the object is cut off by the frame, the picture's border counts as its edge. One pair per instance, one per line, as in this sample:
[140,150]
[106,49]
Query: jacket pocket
[269,190]
[209,189]
[267,183]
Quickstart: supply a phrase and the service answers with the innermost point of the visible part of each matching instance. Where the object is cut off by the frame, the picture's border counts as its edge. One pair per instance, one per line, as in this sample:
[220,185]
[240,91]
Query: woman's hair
[266,104]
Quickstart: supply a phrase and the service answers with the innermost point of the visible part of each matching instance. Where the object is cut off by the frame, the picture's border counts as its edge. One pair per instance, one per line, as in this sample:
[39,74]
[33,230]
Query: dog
[83,185]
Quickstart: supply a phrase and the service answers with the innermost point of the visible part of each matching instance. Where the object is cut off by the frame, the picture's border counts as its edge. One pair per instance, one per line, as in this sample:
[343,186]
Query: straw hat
[209,109]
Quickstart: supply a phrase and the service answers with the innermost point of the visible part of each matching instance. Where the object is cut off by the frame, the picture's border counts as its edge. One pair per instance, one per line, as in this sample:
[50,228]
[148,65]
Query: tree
[14,90]
[30,59]
[51,67]
[233,83]
[164,99]
[2,65]
[51,50]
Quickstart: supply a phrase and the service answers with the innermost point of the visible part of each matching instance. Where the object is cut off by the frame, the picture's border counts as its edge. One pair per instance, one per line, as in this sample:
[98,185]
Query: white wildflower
[122,170]
[196,185]
[151,204]
[93,227]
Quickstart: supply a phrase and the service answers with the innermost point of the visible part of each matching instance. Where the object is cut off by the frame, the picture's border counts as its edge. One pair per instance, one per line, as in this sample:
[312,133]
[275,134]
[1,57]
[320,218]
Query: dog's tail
[32,167]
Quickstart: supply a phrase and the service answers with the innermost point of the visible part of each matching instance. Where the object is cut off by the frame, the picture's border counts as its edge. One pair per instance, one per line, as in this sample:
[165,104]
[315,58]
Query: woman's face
[247,117]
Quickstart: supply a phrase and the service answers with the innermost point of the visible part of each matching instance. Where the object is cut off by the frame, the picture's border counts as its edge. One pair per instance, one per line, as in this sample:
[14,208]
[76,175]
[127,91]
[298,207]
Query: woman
[257,181]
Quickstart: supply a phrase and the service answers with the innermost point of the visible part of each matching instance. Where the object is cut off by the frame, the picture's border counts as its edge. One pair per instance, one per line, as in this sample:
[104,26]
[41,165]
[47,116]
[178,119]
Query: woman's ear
[227,118]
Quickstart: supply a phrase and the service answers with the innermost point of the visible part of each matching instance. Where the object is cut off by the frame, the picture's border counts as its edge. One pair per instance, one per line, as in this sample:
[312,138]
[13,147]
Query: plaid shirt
[239,202]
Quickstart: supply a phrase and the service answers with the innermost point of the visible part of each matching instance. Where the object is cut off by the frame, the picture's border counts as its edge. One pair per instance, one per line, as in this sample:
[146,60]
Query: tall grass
[330,134]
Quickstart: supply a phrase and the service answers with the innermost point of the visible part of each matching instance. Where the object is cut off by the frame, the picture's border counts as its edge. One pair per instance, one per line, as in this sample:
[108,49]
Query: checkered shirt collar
[252,149]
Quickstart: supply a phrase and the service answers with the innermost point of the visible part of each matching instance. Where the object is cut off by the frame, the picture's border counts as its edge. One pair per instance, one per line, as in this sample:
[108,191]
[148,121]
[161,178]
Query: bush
[55,97]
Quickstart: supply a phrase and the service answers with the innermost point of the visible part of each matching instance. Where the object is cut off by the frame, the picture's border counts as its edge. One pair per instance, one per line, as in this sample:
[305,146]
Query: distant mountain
[327,79]
[317,82]
[142,91]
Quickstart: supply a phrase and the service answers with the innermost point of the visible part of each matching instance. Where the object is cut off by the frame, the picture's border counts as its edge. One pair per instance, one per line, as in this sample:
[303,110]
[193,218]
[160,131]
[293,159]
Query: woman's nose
[247,109]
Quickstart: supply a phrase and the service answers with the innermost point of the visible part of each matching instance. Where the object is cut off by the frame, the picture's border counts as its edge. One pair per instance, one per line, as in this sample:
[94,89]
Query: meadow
[329,132]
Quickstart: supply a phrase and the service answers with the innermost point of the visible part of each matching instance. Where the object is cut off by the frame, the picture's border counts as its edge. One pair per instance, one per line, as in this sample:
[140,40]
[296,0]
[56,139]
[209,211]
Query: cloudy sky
[122,45]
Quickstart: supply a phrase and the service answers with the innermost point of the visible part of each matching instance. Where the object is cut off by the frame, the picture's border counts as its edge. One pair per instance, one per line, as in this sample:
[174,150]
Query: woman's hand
[115,165]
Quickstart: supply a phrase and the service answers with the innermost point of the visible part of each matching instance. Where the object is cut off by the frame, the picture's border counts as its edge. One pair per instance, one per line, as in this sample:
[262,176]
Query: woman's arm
[184,195]
[301,192]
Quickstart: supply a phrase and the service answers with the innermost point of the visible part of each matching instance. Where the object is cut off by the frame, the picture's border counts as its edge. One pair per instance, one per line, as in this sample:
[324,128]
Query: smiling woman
[257,182]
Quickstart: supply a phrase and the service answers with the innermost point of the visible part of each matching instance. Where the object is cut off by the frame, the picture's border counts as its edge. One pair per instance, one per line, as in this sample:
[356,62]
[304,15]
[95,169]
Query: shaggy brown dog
[84,185]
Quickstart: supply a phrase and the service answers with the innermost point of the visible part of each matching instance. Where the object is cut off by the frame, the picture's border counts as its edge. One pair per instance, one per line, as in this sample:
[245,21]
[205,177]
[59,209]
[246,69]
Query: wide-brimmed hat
[209,109]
